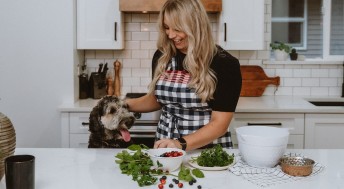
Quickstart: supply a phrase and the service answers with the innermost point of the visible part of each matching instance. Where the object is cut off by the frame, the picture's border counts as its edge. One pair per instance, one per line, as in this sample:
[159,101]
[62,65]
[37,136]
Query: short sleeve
[228,86]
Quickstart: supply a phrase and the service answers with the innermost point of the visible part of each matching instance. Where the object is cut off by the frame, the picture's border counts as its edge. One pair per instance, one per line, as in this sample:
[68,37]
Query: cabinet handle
[115,31]
[276,124]
[85,123]
[225,26]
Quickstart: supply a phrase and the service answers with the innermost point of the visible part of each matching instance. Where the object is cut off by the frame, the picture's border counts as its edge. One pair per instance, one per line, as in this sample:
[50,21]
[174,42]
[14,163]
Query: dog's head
[115,117]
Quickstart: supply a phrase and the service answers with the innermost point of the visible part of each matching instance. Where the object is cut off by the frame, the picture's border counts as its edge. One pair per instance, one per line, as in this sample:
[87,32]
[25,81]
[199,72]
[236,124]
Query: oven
[144,129]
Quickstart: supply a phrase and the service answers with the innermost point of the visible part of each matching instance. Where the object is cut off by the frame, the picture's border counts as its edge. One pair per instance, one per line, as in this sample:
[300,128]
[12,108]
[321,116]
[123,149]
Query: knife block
[97,85]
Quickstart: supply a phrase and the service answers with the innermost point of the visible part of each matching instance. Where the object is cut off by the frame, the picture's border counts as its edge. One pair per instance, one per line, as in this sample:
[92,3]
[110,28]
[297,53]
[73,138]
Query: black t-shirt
[227,71]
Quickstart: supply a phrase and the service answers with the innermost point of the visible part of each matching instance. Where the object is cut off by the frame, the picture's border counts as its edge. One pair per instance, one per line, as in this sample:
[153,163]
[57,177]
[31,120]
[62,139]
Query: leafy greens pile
[214,157]
[138,164]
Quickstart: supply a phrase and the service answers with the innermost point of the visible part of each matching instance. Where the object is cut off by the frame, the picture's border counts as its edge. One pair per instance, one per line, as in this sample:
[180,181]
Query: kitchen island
[80,168]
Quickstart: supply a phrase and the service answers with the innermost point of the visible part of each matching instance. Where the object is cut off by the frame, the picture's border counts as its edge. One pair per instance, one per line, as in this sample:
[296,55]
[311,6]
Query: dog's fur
[107,118]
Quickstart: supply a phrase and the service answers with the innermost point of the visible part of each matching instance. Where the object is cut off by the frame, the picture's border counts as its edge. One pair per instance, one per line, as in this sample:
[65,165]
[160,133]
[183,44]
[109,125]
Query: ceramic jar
[7,141]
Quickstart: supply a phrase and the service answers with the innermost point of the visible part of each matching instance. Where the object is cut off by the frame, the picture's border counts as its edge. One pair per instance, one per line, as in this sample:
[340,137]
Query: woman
[196,84]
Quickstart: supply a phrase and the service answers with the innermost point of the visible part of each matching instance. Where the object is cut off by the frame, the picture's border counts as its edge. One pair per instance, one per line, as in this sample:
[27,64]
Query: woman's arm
[217,127]
[147,103]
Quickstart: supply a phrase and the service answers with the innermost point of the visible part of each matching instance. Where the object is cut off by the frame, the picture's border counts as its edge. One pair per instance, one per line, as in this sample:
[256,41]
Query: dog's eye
[112,110]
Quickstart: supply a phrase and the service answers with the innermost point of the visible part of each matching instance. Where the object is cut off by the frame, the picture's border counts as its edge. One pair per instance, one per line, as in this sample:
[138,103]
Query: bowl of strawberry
[167,159]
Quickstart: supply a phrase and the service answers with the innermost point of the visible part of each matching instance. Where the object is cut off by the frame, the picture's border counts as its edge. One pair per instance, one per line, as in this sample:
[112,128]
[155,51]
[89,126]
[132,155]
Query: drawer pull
[85,123]
[276,124]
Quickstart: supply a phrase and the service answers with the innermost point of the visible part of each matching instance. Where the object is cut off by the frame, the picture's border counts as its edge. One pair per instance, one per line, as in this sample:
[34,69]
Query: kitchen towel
[265,177]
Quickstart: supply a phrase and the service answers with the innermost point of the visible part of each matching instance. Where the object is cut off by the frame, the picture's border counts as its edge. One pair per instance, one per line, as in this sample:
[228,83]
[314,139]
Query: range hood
[154,6]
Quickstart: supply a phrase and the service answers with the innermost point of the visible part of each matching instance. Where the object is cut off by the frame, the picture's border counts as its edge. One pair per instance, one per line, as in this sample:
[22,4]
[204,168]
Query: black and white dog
[109,123]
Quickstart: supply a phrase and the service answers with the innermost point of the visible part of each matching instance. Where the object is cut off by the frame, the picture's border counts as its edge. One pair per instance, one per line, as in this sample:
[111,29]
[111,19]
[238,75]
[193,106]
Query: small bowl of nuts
[167,159]
[297,166]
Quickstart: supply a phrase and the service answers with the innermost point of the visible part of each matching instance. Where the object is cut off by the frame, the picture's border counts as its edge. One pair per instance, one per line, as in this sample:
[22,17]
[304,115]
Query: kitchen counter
[264,104]
[72,168]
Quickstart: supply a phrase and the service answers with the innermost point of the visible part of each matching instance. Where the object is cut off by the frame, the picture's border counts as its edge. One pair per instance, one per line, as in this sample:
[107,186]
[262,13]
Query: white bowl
[261,156]
[168,163]
[263,135]
[262,146]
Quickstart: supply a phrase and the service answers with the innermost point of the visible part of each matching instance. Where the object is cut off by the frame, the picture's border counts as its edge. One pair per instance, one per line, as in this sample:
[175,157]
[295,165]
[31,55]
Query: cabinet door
[324,131]
[294,122]
[241,25]
[99,25]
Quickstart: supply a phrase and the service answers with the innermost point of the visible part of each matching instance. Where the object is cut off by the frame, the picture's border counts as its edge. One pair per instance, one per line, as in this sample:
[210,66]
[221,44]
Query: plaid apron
[182,111]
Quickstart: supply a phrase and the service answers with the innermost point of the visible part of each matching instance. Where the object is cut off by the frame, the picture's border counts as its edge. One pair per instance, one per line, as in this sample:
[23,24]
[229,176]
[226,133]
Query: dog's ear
[94,118]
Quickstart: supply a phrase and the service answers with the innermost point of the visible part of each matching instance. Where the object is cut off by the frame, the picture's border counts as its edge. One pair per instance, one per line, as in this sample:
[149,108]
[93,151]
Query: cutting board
[254,80]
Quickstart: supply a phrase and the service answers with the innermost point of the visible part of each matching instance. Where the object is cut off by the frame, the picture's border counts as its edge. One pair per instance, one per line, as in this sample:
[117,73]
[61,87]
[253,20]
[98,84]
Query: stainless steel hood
[154,6]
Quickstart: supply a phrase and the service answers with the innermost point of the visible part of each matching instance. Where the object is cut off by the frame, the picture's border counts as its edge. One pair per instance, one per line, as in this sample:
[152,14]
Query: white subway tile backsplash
[140,72]
[104,54]
[301,91]
[319,73]
[142,36]
[131,63]
[132,27]
[310,82]
[328,82]
[149,27]
[302,73]
[292,82]
[140,54]
[131,81]
[319,91]
[285,73]
[132,45]
[148,45]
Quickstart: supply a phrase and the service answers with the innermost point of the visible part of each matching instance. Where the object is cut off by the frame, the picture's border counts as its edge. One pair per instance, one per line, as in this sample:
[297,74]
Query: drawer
[78,123]
[78,140]
[295,122]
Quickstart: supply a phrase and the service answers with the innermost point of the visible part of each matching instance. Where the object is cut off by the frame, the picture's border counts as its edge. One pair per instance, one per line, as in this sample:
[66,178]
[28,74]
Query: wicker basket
[7,141]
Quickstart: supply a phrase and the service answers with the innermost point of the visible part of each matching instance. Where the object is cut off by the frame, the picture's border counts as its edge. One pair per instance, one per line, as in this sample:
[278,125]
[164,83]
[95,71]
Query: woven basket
[7,141]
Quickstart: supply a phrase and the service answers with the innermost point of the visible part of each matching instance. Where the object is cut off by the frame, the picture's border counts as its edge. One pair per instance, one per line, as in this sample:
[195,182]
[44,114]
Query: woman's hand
[167,143]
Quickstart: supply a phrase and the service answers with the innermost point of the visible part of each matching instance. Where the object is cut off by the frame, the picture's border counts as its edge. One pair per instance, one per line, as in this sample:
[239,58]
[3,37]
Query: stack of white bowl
[262,146]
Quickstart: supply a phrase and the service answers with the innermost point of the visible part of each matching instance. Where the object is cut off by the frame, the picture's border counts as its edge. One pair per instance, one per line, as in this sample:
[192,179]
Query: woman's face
[179,38]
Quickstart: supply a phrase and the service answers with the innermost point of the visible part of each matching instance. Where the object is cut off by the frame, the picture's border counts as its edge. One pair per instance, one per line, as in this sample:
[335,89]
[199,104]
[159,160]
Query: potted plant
[281,50]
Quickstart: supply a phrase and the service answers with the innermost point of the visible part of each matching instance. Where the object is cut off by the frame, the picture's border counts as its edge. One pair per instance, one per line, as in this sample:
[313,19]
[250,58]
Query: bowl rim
[284,159]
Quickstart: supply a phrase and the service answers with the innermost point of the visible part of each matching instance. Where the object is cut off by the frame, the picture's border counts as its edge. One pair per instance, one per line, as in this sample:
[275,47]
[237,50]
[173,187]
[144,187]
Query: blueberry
[171,185]
[190,182]
[199,187]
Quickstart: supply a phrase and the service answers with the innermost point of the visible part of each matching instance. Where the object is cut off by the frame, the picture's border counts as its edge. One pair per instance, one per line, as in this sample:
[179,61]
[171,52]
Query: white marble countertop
[264,104]
[72,168]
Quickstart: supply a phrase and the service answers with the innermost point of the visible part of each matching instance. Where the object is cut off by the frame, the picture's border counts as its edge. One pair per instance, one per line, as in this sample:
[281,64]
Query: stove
[144,129]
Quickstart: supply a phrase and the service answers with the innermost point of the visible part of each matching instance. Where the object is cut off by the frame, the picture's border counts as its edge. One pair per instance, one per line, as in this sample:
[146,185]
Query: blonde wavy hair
[190,17]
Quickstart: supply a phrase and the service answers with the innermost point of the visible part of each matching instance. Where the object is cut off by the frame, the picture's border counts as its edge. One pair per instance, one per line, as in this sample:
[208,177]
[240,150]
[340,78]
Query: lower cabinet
[75,132]
[324,131]
[294,122]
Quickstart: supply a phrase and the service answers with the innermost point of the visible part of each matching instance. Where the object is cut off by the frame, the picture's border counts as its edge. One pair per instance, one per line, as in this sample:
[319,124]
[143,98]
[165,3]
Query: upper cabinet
[99,25]
[241,25]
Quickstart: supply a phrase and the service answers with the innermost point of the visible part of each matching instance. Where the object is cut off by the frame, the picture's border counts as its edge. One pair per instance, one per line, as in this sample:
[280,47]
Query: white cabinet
[294,122]
[99,25]
[75,132]
[324,131]
[241,25]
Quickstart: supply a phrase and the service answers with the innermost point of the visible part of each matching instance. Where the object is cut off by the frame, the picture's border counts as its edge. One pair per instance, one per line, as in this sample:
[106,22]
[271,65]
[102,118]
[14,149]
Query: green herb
[185,174]
[198,173]
[214,157]
[139,165]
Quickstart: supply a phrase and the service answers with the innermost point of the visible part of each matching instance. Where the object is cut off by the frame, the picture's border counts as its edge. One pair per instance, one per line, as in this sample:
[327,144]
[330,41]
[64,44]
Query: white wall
[36,67]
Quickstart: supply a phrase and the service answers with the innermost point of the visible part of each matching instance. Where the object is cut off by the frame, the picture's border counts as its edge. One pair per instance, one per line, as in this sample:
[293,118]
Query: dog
[109,123]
